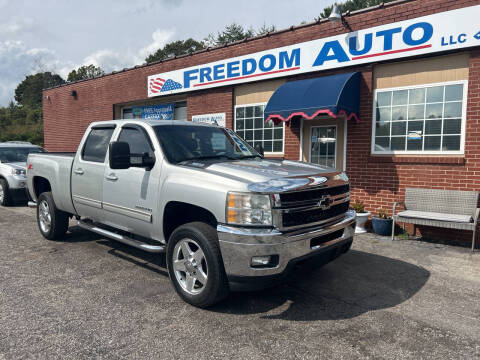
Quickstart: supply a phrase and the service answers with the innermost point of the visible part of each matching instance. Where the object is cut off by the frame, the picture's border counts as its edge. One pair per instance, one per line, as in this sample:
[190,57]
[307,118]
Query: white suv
[13,163]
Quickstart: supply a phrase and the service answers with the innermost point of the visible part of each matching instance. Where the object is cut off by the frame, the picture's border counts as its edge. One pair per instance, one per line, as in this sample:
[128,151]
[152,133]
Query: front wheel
[5,199]
[52,222]
[195,265]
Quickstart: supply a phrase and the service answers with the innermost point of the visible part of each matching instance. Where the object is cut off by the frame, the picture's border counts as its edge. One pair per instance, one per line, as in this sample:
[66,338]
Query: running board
[122,238]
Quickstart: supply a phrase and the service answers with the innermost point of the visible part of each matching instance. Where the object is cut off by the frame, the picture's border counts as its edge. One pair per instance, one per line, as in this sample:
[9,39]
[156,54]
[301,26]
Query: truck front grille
[311,196]
[298,218]
[302,208]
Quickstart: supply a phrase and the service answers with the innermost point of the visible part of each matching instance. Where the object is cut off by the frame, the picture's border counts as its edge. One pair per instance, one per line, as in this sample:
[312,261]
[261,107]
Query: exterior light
[335,15]
[74,94]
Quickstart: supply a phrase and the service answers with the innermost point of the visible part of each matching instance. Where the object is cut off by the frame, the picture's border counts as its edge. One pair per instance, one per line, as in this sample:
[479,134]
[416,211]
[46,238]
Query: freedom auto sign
[455,29]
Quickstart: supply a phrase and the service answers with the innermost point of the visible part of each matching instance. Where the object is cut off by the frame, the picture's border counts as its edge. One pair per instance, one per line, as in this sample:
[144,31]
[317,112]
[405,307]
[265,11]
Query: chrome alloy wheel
[2,193]
[44,217]
[190,266]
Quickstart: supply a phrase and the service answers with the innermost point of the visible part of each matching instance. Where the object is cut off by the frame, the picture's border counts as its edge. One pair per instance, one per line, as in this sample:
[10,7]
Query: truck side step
[122,238]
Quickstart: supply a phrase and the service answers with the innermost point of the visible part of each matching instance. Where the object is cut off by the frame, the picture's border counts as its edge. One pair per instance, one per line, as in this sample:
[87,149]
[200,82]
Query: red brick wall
[378,181]
[216,100]
[66,118]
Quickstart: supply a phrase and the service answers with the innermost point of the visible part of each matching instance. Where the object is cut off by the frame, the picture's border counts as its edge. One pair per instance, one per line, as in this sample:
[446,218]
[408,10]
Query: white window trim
[277,153]
[336,143]
[439,152]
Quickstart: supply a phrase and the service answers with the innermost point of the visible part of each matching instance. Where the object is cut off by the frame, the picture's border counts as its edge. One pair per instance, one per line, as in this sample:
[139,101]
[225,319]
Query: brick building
[416,121]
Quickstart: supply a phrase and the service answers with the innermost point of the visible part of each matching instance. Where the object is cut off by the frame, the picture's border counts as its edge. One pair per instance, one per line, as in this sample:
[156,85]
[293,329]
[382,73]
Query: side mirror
[142,161]
[119,155]
[148,161]
[259,148]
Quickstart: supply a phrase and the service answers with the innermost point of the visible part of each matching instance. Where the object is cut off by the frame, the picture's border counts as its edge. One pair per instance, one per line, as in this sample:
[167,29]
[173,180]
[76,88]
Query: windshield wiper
[206,158]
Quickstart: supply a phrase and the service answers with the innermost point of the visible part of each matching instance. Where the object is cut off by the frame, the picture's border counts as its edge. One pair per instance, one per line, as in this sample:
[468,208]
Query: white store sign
[217,119]
[455,29]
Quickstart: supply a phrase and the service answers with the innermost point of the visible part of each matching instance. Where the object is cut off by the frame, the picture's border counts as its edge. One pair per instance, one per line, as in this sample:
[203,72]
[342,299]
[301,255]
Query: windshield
[17,154]
[182,142]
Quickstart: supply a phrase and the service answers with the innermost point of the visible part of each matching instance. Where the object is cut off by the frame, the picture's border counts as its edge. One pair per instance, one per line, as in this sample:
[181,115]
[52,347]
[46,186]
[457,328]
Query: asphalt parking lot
[90,297]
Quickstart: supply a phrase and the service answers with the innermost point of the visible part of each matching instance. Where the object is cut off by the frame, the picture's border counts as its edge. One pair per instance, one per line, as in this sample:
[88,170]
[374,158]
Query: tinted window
[181,143]
[17,154]
[96,145]
[137,140]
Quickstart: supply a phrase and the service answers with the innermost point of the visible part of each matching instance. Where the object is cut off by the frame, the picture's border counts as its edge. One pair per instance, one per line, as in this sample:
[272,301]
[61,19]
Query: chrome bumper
[239,245]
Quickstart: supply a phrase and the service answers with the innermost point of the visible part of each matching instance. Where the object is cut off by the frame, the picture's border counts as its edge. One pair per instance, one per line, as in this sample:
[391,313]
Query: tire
[210,284]
[5,197]
[52,222]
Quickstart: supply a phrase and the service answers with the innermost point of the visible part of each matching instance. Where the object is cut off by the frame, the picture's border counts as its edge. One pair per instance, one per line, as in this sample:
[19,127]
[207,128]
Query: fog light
[267,261]
[261,260]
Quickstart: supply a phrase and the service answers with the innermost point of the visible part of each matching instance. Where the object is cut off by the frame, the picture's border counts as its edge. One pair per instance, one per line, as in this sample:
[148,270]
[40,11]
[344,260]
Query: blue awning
[334,95]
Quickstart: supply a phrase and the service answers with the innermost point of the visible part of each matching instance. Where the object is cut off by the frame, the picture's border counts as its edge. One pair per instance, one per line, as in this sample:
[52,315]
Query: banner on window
[154,112]
[216,119]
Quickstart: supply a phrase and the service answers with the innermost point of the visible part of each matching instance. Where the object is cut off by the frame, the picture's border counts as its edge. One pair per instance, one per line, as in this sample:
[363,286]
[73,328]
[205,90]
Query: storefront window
[250,125]
[169,111]
[422,119]
[127,113]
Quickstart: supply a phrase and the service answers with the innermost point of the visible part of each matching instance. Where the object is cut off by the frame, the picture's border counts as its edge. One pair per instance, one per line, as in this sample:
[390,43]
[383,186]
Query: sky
[61,35]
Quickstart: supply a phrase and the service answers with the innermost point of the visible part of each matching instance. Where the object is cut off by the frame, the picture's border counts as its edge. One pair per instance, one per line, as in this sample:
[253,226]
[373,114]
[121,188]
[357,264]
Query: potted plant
[362,216]
[382,224]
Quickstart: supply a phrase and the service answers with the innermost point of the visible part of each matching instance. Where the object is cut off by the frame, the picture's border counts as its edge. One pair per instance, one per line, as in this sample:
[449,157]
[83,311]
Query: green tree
[351,5]
[177,48]
[231,33]
[265,29]
[29,91]
[85,72]
[236,32]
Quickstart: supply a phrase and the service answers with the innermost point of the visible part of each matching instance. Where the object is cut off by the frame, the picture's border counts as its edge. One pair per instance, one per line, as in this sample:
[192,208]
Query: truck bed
[56,168]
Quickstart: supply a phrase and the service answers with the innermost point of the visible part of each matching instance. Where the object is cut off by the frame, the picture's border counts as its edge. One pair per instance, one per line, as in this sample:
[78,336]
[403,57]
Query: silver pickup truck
[227,218]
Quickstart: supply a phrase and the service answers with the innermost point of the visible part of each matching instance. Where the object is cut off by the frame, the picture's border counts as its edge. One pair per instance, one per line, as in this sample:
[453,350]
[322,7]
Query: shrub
[382,214]
[358,206]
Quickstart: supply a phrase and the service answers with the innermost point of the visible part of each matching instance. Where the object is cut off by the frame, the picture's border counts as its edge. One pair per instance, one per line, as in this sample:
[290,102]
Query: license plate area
[318,241]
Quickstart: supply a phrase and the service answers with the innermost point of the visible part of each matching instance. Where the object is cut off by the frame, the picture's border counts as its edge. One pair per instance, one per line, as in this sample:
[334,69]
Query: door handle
[78,171]
[111,177]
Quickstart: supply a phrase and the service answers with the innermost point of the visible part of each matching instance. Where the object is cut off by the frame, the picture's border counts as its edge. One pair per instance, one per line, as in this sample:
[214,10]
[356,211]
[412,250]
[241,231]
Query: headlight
[18,172]
[248,209]
[343,176]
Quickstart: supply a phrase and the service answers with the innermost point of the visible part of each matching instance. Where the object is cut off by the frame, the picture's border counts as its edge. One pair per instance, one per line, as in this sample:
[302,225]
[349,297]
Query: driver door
[130,195]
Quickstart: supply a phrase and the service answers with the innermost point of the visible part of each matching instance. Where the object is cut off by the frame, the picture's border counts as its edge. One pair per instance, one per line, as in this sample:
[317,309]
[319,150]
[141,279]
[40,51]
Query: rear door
[88,172]
[130,195]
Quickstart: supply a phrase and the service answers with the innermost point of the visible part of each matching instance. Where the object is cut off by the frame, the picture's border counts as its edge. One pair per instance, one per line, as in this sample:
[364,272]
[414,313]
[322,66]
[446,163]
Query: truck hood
[264,175]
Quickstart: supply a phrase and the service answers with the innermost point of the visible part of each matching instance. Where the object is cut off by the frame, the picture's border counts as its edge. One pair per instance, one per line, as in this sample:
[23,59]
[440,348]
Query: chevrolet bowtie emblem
[324,202]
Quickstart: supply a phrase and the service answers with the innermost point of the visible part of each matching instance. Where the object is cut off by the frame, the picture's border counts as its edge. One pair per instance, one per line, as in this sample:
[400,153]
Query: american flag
[156,84]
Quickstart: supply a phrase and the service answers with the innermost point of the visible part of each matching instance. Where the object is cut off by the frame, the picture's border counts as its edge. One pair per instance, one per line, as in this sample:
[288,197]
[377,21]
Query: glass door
[323,145]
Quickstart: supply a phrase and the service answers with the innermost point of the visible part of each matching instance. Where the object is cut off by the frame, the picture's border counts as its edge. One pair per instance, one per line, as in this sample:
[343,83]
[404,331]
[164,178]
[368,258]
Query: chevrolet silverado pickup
[226,217]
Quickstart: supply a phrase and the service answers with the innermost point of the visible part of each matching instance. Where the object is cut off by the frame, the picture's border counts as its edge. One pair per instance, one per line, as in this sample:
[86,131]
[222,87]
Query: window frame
[270,153]
[336,143]
[138,128]
[461,151]
[84,144]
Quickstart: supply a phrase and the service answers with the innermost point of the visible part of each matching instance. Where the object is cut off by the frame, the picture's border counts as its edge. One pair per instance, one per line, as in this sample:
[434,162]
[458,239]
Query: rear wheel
[5,198]
[52,222]
[195,264]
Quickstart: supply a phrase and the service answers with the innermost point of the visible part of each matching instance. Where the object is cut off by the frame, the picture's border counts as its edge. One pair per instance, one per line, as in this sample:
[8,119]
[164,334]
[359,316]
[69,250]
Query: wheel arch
[177,213]
[40,185]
